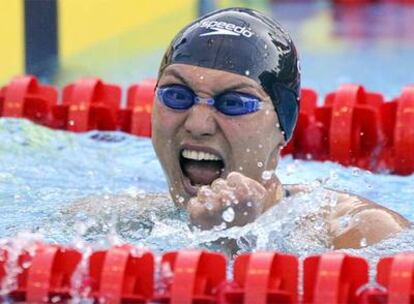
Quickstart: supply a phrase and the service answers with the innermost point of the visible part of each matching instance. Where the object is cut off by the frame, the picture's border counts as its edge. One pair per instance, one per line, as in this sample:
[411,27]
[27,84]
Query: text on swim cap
[224,28]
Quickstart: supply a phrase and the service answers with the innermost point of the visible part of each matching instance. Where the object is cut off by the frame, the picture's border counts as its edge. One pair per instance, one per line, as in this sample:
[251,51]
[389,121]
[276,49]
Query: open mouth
[200,167]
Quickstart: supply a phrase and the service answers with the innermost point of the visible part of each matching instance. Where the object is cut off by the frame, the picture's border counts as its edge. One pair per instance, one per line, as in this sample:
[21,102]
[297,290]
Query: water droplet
[355,172]
[26,264]
[344,222]
[266,175]
[363,242]
[228,215]
[259,164]
[333,174]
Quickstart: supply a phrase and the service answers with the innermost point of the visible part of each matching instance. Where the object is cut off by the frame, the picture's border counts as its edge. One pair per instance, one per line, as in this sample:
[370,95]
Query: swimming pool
[43,171]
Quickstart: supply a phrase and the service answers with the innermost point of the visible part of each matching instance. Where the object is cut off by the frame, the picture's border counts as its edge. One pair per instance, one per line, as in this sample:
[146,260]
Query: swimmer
[227,101]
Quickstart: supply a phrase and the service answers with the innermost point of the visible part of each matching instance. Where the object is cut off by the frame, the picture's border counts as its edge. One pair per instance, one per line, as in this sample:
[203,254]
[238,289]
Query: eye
[176,96]
[234,103]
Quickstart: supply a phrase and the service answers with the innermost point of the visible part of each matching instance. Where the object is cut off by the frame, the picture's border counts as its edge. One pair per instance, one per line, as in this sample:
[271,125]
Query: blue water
[81,189]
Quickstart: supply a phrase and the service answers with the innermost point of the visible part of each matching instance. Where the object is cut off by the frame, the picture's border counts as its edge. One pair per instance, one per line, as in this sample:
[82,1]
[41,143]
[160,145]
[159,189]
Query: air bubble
[260,164]
[247,73]
[249,204]
[228,215]
[71,123]
[247,150]
[241,168]
[201,77]
[181,199]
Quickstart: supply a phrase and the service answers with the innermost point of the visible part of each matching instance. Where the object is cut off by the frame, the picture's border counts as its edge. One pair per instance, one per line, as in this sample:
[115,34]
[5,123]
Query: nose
[200,121]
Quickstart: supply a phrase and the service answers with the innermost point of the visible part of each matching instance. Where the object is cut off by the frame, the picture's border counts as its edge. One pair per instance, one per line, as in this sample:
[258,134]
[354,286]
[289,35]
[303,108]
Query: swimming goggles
[179,97]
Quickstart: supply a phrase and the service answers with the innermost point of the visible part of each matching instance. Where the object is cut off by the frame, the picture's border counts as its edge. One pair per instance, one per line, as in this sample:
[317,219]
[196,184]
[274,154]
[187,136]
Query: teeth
[198,155]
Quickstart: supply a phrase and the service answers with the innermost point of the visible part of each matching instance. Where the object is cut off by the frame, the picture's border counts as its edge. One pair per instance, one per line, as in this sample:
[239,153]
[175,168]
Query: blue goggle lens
[176,97]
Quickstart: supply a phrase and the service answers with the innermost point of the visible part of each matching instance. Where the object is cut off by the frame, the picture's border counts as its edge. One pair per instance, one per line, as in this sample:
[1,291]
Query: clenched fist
[235,201]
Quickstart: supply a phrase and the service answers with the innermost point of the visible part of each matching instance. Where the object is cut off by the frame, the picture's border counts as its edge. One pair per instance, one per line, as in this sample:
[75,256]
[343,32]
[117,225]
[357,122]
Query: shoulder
[356,222]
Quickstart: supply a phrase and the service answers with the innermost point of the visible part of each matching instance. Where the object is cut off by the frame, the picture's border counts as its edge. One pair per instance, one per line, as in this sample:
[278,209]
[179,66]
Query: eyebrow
[233,87]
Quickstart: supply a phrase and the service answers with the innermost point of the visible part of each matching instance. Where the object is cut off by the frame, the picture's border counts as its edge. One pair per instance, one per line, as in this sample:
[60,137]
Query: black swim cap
[245,42]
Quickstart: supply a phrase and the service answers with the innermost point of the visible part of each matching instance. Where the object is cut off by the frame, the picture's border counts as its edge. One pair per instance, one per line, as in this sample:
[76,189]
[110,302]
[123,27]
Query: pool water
[82,189]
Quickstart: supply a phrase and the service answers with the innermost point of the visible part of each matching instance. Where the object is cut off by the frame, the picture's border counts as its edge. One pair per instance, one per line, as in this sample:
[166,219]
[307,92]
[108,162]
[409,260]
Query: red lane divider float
[25,97]
[353,126]
[398,117]
[136,118]
[89,104]
[263,277]
[39,273]
[127,274]
[333,278]
[196,277]
[121,274]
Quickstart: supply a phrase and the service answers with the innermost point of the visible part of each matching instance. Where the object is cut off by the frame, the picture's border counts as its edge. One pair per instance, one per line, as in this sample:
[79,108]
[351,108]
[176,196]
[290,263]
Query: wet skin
[248,145]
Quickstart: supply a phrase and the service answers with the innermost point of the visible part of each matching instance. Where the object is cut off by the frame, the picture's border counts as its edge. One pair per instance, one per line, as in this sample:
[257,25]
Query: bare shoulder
[355,221]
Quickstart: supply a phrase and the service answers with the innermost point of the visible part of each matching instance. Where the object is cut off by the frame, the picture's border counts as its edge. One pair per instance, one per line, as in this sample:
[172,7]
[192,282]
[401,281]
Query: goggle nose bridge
[208,100]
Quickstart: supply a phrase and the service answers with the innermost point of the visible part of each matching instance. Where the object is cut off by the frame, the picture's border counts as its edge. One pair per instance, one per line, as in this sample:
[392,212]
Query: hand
[235,201]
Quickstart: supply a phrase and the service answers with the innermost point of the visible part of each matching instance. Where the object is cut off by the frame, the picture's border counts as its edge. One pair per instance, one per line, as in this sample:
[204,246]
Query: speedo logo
[224,28]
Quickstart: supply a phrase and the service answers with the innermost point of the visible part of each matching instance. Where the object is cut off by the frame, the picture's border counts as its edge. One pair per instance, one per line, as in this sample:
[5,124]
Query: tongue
[202,172]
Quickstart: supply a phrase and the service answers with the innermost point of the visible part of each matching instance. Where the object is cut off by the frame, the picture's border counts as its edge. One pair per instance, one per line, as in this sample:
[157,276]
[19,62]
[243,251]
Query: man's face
[198,145]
